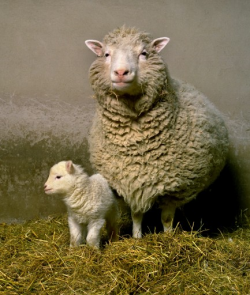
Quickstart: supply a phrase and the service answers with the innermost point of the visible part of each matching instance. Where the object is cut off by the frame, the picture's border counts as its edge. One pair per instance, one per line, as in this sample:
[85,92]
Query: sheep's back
[174,150]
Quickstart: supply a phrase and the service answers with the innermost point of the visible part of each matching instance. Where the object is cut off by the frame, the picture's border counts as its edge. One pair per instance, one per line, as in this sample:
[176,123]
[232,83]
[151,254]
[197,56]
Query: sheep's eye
[58,176]
[144,54]
[106,54]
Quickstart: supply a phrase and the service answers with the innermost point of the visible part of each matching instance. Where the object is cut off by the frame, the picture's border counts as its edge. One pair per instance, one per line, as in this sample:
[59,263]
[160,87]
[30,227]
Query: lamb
[154,138]
[89,200]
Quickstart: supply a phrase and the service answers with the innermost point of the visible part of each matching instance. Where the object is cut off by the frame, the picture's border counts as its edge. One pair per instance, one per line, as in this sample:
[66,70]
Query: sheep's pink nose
[121,72]
[45,186]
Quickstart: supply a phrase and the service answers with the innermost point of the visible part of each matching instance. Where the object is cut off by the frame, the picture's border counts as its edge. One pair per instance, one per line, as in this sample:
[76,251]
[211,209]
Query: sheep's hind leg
[167,217]
[137,221]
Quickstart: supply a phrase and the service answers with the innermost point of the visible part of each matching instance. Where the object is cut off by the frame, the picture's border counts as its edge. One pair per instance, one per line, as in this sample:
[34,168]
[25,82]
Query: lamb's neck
[79,196]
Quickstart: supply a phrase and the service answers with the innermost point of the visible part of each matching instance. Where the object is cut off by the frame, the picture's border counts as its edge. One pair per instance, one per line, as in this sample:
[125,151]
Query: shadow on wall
[214,210]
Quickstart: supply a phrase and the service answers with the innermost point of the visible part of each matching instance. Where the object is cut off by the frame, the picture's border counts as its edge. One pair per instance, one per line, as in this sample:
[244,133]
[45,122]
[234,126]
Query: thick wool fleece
[168,144]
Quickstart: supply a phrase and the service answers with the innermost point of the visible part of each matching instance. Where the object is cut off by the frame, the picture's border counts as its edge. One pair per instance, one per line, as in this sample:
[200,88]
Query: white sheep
[155,139]
[89,200]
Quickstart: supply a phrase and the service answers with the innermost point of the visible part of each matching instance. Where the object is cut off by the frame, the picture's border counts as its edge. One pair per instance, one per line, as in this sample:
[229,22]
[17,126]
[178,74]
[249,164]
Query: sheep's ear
[159,43]
[95,46]
[70,167]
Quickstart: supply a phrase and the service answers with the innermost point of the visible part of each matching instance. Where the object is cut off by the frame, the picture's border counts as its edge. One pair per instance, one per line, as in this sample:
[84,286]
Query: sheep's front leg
[167,217]
[137,221]
[94,233]
[77,232]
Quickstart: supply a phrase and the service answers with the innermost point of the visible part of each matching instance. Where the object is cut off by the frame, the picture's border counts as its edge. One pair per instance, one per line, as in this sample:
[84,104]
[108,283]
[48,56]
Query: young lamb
[89,200]
[155,139]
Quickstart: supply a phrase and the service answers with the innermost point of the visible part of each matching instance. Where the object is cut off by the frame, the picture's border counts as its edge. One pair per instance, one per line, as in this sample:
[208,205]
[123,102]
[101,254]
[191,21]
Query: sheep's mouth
[129,87]
[48,190]
[122,83]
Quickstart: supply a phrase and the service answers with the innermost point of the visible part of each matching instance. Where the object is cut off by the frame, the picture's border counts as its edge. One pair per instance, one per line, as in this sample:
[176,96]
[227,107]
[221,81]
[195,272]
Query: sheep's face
[128,64]
[123,64]
[61,179]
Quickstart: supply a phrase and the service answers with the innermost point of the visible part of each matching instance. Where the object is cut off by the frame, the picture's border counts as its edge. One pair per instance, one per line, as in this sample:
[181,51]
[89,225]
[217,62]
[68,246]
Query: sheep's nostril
[121,73]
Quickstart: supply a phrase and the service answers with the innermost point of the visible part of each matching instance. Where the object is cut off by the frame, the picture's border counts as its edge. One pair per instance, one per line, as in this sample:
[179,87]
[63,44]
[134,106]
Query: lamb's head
[128,67]
[61,179]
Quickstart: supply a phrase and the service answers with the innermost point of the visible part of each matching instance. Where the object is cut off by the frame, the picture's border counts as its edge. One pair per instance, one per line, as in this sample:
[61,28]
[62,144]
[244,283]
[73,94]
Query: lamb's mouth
[48,190]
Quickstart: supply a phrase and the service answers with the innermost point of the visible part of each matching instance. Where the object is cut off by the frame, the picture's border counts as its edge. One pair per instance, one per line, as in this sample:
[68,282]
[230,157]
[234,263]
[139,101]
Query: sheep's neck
[135,107]
[132,132]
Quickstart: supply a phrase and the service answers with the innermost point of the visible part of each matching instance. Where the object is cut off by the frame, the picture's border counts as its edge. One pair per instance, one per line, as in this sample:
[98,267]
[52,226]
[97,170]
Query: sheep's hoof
[137,235]
[168,229]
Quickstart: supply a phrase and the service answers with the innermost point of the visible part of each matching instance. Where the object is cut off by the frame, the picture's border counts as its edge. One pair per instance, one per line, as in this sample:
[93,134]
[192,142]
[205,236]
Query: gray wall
[45,98]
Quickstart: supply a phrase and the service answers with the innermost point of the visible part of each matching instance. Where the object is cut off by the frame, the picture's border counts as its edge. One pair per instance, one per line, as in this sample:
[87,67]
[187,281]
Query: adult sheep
[153,138]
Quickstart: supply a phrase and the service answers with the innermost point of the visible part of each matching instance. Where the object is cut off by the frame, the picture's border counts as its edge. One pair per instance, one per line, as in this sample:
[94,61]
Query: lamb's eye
[106,54]
[58,176]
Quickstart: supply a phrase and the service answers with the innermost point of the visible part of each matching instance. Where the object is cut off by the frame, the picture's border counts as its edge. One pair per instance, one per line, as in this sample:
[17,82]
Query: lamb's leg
[137,221]
[77,232]
[167,217]
[94,233]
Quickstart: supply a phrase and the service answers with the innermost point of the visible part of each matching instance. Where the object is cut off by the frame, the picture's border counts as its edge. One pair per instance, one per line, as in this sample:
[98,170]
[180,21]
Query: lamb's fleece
[167,142]
[89,200]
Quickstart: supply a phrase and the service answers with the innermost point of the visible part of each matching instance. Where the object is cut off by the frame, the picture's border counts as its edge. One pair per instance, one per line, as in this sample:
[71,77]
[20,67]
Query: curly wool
[168,144]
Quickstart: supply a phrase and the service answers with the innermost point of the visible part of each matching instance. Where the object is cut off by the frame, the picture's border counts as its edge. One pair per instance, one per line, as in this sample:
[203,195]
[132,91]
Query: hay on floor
[35,259]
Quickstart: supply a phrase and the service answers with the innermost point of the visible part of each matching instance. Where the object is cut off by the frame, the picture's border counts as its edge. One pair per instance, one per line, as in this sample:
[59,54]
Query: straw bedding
[35,259]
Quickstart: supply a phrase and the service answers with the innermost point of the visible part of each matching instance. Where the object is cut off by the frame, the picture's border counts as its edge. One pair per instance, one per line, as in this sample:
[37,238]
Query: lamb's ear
[159,43]
[70,167]
[95,46]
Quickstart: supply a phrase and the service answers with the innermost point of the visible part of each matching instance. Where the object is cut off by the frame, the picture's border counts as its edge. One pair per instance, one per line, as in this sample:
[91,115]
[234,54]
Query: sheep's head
[128,65]
[61,179]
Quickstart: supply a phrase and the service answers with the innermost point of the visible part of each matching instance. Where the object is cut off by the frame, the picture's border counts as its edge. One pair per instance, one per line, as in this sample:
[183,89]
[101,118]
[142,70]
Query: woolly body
[166,143]
[89,200]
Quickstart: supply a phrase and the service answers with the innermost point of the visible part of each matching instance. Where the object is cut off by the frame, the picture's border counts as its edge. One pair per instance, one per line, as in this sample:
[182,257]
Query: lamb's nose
[45,186]
[121,72]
